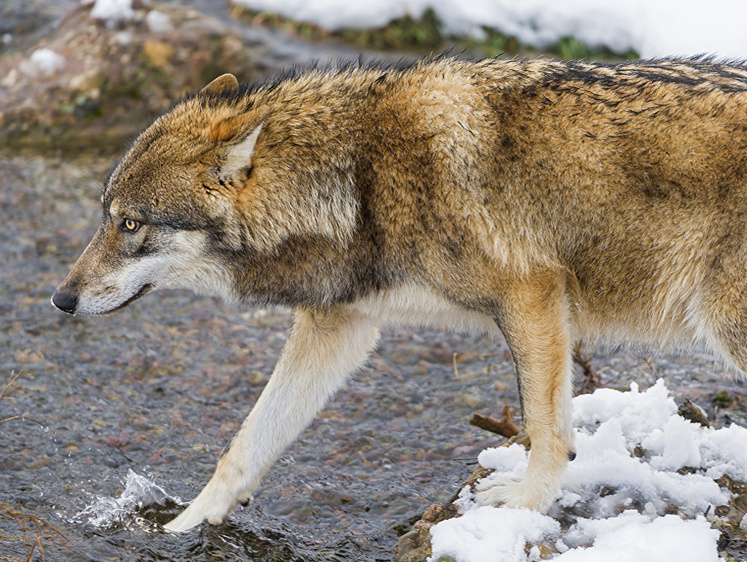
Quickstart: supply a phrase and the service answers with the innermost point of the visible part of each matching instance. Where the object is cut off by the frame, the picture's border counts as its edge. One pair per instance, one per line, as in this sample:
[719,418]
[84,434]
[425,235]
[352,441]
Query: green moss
[494,43]
[425,34]
[402,33]
[722,399]
[572,48]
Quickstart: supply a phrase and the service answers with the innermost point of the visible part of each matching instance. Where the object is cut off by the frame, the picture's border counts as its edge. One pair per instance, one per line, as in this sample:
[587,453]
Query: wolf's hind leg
[322,350]
[720,304]
[535,323]
[727,327]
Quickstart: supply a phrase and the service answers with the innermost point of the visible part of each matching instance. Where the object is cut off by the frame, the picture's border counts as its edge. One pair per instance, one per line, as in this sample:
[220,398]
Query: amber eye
[130,225]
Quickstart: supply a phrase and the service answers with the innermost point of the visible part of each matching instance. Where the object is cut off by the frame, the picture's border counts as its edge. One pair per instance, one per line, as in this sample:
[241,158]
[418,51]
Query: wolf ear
[238,135]
[224,83]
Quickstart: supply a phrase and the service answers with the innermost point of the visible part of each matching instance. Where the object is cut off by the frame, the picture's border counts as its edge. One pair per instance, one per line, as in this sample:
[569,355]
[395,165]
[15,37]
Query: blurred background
[93,73]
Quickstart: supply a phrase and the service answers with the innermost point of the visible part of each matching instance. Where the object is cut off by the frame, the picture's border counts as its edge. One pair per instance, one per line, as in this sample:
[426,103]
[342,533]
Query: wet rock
[87,83]
[415,545]
[98,81]
[26,356]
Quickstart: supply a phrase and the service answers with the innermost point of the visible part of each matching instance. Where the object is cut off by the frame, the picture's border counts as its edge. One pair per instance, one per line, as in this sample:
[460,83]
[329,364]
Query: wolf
[542,200]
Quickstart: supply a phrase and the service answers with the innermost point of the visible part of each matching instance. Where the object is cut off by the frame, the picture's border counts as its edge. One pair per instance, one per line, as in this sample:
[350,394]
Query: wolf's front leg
[322,350]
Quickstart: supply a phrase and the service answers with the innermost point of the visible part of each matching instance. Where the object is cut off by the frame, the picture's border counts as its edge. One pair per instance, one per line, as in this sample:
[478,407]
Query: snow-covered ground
[624,498]
[650,27]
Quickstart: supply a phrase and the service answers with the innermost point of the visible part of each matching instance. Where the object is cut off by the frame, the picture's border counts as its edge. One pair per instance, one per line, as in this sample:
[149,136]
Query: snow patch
[113,10]
[42,63]
[158,22]
[634,537]
[487,534]
[636,462]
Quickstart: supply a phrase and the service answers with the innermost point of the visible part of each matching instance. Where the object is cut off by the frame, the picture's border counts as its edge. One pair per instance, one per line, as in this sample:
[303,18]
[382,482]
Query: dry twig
[13,378]
[591,377]
[505,427]
[29,529]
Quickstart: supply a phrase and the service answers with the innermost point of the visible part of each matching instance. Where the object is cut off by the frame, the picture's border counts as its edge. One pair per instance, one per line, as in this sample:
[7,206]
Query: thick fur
[547,200]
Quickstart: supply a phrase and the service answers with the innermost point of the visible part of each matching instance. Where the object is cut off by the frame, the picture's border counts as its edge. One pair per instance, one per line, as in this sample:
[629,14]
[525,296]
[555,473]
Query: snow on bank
[113,10]
[618,496]
[649,27]
[42,63]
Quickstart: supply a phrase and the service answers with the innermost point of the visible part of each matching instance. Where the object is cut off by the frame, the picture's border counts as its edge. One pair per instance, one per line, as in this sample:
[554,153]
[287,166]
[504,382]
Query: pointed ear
[238,135]
[239,156]
[225,83]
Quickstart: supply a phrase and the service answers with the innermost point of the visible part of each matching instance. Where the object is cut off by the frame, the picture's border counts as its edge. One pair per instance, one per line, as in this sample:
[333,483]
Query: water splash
[139,498]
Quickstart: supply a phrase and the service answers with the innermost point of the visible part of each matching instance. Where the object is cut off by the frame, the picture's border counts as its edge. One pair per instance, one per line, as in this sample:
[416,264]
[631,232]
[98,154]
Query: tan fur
[548,200]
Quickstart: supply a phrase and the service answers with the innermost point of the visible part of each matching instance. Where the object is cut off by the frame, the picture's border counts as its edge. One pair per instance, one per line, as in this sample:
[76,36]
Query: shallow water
[161,387]
[158,390]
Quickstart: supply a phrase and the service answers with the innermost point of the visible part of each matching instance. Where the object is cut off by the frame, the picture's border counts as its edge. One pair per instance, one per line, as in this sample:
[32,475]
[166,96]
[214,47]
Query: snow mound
[633,537]
[640,488]
[487,534]
[42,63]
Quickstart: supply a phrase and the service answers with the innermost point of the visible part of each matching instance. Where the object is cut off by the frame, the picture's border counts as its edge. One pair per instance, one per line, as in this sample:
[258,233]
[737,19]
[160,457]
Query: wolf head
[213,194]
[177,182]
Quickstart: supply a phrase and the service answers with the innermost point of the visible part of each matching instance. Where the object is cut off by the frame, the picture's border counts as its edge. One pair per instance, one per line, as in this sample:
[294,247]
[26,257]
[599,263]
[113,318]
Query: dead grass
[13,378]
[19,524]
[34,533]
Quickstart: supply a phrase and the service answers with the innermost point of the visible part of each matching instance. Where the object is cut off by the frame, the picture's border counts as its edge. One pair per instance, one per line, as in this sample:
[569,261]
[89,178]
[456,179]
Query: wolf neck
[347,199]
[306,239]
[313,272]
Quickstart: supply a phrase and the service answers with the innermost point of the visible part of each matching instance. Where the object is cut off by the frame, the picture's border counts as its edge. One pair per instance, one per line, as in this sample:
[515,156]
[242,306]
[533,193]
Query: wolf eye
[130,225]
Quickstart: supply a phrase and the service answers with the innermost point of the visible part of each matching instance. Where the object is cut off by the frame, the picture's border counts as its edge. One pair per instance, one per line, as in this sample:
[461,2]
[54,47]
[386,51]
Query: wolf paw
[510,491]
[496,491]
[185,521]
[196,513]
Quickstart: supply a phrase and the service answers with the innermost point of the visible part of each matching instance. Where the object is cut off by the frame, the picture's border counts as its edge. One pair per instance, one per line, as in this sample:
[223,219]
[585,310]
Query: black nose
[65,301]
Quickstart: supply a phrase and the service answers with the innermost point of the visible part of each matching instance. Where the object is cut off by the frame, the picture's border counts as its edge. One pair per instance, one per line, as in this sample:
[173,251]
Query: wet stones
[97,81]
